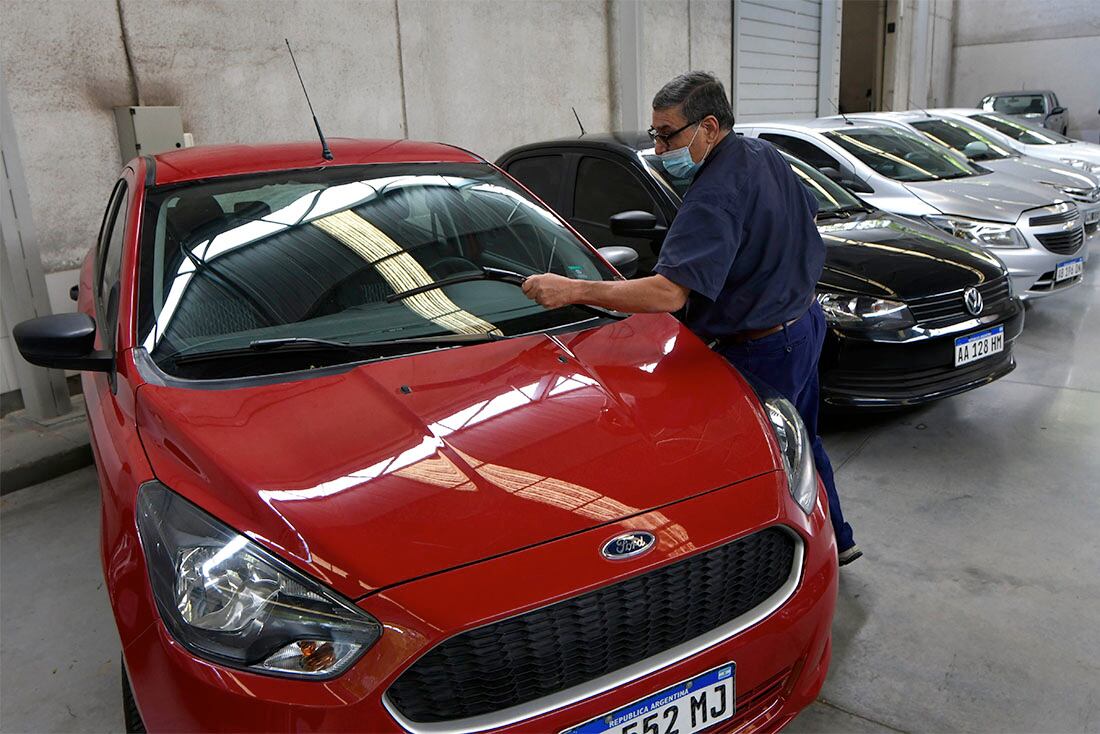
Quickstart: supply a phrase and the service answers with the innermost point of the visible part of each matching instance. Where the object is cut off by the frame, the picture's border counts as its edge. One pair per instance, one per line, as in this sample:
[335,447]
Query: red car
[354,480]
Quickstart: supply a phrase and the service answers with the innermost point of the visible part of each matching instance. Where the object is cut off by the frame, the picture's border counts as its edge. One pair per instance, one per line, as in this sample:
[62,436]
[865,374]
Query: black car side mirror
[1058,110]
[625,259]
[63,341]
[847,181]
[637,224]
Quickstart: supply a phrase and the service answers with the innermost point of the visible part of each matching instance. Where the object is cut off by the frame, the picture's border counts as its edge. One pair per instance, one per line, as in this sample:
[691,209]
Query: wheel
[130,715]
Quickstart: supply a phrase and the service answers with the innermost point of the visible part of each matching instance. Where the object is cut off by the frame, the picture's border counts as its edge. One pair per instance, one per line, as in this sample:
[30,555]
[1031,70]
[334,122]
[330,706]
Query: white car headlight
[1081,165]
[794,447]
[228,600]
[844,309]
[984,234]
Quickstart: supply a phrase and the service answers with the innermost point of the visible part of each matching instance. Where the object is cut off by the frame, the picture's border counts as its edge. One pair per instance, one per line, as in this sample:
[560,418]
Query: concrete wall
[1015,44]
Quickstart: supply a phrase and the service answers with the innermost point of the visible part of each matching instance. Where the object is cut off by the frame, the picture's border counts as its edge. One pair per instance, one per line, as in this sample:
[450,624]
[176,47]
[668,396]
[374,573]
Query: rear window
[314,255]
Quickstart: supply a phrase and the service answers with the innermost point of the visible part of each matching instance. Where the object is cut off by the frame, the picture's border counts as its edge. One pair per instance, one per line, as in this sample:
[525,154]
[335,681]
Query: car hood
[986,196]
[1041,171]
[888,256]
[1081,150]
[402,468]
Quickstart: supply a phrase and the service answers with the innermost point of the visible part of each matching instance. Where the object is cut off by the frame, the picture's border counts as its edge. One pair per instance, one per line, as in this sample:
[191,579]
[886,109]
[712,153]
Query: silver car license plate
[686,707]
[1069,269]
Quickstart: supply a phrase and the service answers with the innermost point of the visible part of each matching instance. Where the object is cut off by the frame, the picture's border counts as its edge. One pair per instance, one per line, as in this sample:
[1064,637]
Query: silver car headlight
[844,309]
[228,600]
[984,234]
[1079,164]
[795,448]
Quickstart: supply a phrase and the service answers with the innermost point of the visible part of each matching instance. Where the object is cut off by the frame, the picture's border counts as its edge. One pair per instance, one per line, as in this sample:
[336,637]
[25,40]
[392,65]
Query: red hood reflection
[407,467]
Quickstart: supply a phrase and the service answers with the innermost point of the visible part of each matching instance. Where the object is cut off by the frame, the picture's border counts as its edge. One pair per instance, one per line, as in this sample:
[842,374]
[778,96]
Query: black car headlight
[847,310]
[226,599]
[795,448]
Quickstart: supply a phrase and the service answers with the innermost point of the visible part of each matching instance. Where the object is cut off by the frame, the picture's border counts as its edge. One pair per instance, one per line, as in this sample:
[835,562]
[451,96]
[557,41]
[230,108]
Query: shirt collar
[723,145]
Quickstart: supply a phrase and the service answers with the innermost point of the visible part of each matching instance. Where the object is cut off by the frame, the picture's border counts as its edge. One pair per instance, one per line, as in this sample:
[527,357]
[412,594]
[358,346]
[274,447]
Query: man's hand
[551,291]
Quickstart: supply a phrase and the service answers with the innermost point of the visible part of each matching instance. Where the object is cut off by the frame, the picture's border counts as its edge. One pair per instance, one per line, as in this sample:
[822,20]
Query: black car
[914,314]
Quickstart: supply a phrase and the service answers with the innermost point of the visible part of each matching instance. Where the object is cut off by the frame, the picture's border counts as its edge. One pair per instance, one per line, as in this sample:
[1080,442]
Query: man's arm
[654,294]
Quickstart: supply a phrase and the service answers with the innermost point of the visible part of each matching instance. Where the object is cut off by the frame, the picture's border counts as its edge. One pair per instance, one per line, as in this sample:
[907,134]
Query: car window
[955,135]
[605,188]
[315,254]
[1021,131]
[900,155]
[1020,104]
[543,174]
[803,149]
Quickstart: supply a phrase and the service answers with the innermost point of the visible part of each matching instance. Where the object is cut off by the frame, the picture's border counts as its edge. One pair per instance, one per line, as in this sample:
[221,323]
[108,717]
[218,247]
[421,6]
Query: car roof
[1016,93]
[212,161]
[964,111]
[633,140]
[819,124]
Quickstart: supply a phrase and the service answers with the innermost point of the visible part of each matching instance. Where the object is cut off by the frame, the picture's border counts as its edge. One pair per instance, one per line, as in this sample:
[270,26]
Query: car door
[605,185]
[1058,116]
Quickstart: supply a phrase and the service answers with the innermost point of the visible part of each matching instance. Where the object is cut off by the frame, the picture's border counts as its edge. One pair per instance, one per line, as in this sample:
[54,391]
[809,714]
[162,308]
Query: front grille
[902,385]
[944,309]
[1063,243]
[1046,283]
[1065,214]
[574,641]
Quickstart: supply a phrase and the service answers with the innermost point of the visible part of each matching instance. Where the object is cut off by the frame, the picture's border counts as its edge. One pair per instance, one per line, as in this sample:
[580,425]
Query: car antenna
[325,152]
[841,113]
[581,126]
[913,106]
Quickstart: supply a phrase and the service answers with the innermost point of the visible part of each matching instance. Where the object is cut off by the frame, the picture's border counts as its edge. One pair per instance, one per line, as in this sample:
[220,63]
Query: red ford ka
[354,480]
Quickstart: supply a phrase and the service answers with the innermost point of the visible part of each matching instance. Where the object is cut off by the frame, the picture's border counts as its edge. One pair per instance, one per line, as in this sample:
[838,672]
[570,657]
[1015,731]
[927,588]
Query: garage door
[777,58]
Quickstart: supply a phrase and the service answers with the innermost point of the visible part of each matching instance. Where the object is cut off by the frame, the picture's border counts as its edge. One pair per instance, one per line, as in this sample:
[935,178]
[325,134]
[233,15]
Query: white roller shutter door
[777,52]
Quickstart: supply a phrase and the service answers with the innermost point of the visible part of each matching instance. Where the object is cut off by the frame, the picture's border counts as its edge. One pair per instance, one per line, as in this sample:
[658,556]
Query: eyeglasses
[666,138]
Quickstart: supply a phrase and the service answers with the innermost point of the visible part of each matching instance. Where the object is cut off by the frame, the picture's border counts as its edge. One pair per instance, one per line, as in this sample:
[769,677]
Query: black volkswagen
[914,314]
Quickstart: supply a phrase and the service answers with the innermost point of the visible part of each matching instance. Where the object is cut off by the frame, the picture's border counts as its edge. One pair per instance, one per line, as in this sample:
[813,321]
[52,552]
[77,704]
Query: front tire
[130,715]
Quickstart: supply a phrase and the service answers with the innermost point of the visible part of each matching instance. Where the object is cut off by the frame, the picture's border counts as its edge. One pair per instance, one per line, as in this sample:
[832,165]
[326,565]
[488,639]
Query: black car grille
[903,385]
[1063,243]
[948,308]
[1044,220]
[571,642]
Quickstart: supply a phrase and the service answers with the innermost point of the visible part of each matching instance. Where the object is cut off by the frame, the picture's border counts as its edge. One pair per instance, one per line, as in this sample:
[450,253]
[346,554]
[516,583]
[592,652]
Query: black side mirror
[637,224]
[1058,110]
[625,259]
[64,341]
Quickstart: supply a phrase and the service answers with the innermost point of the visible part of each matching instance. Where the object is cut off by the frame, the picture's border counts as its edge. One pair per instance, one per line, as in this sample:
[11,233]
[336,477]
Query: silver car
[1039,107]
[1038,233]
[979,146]
[1031,139]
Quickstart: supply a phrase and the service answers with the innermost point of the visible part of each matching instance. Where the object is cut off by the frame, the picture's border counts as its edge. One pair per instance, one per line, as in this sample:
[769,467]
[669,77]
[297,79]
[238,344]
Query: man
[743,255]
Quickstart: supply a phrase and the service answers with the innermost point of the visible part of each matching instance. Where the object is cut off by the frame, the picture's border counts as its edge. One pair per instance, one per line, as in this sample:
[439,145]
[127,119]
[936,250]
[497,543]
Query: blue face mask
[678,163]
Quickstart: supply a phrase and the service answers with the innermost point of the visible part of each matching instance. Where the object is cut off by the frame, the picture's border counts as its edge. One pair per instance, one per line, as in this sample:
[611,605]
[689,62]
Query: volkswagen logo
[628,545]
[973,300]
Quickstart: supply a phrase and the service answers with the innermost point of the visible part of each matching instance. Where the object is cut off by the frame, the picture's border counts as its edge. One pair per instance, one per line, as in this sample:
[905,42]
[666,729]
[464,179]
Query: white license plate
[977,346]
[1092,217]
[1069,269]
[686,707]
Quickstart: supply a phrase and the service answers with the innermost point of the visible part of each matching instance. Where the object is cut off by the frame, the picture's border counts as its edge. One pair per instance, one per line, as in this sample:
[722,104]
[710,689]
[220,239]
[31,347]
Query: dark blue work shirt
[744,241]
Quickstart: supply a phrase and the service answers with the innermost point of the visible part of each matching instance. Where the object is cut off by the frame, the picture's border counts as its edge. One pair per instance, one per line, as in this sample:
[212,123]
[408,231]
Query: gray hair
[698,94]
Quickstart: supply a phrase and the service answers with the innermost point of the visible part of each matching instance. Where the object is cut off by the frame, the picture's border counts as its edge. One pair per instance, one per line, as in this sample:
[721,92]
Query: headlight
[1080,164]
[794,446]
[985,234]
[228,600]
[847,310]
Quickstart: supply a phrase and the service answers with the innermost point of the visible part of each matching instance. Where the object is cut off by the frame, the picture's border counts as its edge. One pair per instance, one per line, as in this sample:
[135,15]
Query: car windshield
[962,138]
[900,155]
[1020,131]
[831,197]
[1019,104]
[310,257]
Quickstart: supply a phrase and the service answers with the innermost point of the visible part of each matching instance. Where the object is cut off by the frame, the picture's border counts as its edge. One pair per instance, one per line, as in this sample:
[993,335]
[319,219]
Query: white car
[1038,233]
[984,148]
[1031,139]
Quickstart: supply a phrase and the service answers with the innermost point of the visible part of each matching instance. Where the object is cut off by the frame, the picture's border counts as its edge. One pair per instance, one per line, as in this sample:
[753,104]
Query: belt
[751,335]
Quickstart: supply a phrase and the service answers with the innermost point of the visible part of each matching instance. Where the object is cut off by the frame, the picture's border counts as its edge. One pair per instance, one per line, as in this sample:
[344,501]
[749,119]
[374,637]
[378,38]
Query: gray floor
[974,610]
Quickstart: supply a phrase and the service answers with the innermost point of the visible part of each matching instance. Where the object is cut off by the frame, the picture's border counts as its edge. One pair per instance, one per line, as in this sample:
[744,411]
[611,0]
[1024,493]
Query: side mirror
[63,341]
[1058,110]
[636,224]
[625,259]
[975,148]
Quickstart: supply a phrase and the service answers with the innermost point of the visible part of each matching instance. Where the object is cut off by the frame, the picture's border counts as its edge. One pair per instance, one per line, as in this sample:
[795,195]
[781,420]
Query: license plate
[1069,269]
[687,707]
[977,346]
[1092,217]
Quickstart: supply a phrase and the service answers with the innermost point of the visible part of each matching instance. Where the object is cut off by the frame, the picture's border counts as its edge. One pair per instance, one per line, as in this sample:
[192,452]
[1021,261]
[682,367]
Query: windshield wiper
[841,211]
[315,345]
[497,275]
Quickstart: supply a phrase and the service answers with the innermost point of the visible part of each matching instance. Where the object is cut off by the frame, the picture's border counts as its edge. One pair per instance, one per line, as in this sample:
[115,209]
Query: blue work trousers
[787,362]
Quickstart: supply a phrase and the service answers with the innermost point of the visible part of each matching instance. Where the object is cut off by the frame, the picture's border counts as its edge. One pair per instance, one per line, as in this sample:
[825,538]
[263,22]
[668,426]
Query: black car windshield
[830,196]
[962,138]
[308,257]
[1020,131]
[900,155]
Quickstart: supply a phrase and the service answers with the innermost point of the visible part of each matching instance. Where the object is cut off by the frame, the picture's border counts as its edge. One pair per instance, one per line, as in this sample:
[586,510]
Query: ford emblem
[628,545]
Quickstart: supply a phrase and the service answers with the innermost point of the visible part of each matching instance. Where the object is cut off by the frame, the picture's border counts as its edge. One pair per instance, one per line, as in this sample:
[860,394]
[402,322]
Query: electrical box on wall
[148,130]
